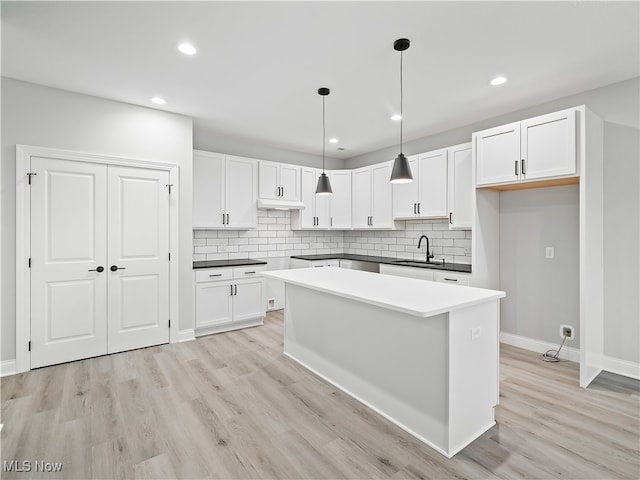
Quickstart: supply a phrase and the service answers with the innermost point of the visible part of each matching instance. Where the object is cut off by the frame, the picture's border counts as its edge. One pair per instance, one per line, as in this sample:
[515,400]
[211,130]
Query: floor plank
[233,406]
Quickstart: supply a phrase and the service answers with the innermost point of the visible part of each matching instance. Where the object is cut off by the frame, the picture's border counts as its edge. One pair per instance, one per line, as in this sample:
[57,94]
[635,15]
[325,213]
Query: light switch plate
[549,252]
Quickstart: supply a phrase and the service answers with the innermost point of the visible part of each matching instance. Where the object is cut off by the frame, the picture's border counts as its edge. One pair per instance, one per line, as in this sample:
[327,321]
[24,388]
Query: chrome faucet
[430,255]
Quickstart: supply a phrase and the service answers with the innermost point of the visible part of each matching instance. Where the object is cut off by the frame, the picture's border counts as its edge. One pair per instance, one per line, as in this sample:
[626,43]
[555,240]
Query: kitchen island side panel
[393,362]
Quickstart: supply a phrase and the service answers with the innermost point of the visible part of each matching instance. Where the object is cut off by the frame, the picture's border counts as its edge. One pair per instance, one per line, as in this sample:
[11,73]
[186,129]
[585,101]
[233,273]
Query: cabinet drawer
[249,271]
[213,274]
[453,278]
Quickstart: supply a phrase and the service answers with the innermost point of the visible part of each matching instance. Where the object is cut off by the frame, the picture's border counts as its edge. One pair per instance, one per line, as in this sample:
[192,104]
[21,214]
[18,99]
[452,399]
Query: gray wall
[619,106]
[47,117]
[542,293]
[230,145]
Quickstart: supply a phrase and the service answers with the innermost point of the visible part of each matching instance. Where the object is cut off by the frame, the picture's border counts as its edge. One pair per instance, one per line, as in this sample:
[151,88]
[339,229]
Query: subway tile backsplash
[274,238]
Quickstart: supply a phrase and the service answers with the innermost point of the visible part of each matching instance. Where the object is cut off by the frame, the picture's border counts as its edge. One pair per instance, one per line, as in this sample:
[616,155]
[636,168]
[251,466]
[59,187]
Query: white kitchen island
[423,354]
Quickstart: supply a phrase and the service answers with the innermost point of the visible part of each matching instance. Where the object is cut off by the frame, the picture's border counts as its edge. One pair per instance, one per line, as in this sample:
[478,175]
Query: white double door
[99,259]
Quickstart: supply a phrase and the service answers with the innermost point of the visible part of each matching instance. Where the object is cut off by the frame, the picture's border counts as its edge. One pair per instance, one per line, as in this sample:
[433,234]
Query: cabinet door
[498,155]
[268,180]
[432,184]
[248,301]
[361,206]
[381,195]
[290,182]
[341,198]
[308,196]
[213,303]
[323,207]
[460,186]
[405,195]
[241,186]
[208,190]
[549,145]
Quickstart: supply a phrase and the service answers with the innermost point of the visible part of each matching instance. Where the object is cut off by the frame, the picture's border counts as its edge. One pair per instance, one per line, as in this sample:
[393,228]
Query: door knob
[115,268]
[99,269]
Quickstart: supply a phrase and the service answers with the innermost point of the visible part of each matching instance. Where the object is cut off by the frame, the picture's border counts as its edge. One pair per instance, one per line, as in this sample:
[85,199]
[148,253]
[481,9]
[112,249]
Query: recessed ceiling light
[396,118]
[158,100]
[498,80]
[333,140]
[187,49]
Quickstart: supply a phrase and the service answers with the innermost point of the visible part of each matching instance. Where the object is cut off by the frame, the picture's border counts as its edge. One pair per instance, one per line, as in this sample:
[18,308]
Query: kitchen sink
[417,263]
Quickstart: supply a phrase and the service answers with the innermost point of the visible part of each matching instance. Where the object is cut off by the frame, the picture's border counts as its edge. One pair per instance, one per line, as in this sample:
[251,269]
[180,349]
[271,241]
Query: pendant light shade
[324,186]
[401,172]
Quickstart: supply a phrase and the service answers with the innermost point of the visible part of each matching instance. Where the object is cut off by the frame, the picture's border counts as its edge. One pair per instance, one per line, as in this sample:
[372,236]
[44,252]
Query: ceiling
[259,64]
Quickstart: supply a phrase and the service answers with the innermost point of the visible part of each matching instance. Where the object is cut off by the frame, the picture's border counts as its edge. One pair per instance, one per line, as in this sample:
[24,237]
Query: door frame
[23,235]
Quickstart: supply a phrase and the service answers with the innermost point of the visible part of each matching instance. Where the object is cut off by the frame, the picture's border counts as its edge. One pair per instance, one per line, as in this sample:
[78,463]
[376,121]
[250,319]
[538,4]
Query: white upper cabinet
[538,148]
[317,211]
[426,196]
[340,199]
[208,190]
[459,163]
[279,181]
[432,184]
[549,145]
[224,191]
[361,197]
[372,197]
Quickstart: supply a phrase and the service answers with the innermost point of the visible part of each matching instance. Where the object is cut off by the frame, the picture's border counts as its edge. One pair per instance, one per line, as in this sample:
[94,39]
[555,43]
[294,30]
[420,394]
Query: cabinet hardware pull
[522,168]
[414,208]
[236,290]
[223,219]
[451,217]
[451,279]
[282,191]
[516,167]
[115,268]
[216,275]
[249,273]
[231,286]
[98,269]
[418,208]
[227,219]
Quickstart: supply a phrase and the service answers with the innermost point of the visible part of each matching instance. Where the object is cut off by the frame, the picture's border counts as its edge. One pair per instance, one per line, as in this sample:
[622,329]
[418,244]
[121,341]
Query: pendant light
[324,186]
[401,172]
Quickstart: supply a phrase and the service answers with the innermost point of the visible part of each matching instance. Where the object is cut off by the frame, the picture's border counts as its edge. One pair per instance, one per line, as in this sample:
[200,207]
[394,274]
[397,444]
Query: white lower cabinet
[229,298]
[300,263]
[411,272]
[453,278]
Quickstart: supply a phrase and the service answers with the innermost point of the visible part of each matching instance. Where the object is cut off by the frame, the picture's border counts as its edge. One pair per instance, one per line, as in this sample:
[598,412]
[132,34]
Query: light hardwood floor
[232,406]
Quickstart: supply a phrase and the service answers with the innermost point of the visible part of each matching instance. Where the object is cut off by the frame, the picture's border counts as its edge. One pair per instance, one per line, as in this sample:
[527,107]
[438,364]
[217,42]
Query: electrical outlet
[475,333]
[568,331]
[271,303]
[549,252]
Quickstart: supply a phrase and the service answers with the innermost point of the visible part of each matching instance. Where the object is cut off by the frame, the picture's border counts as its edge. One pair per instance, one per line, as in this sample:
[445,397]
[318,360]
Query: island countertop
[421,298]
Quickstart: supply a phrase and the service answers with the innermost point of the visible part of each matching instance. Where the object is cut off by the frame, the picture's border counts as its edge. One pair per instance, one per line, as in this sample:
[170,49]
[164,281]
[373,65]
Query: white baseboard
[609,364]
[621,367]
[567,353]
[8,367]
[186,335]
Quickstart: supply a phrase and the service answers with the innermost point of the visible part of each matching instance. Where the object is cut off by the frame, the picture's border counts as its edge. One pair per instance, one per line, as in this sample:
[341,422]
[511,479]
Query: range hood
[279,204]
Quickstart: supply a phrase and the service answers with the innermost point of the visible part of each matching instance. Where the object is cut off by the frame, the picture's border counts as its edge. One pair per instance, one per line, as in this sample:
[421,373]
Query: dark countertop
[227,263]
[450,267]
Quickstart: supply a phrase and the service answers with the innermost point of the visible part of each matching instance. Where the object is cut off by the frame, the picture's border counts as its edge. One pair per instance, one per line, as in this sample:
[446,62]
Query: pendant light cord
[323,134]
[401,95]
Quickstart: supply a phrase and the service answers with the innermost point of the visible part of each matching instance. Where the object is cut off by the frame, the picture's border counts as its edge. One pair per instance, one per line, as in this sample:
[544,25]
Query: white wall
[619,106]
[47,117]
[231,145]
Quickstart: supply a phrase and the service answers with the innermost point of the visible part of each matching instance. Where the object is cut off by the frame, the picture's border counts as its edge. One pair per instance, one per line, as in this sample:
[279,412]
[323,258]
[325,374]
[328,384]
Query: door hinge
[169,187]
[29,262]
[30,174]
[29,345]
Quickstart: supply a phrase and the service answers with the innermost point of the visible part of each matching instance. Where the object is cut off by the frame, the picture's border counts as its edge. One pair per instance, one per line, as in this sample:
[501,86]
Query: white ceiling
[260,64]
